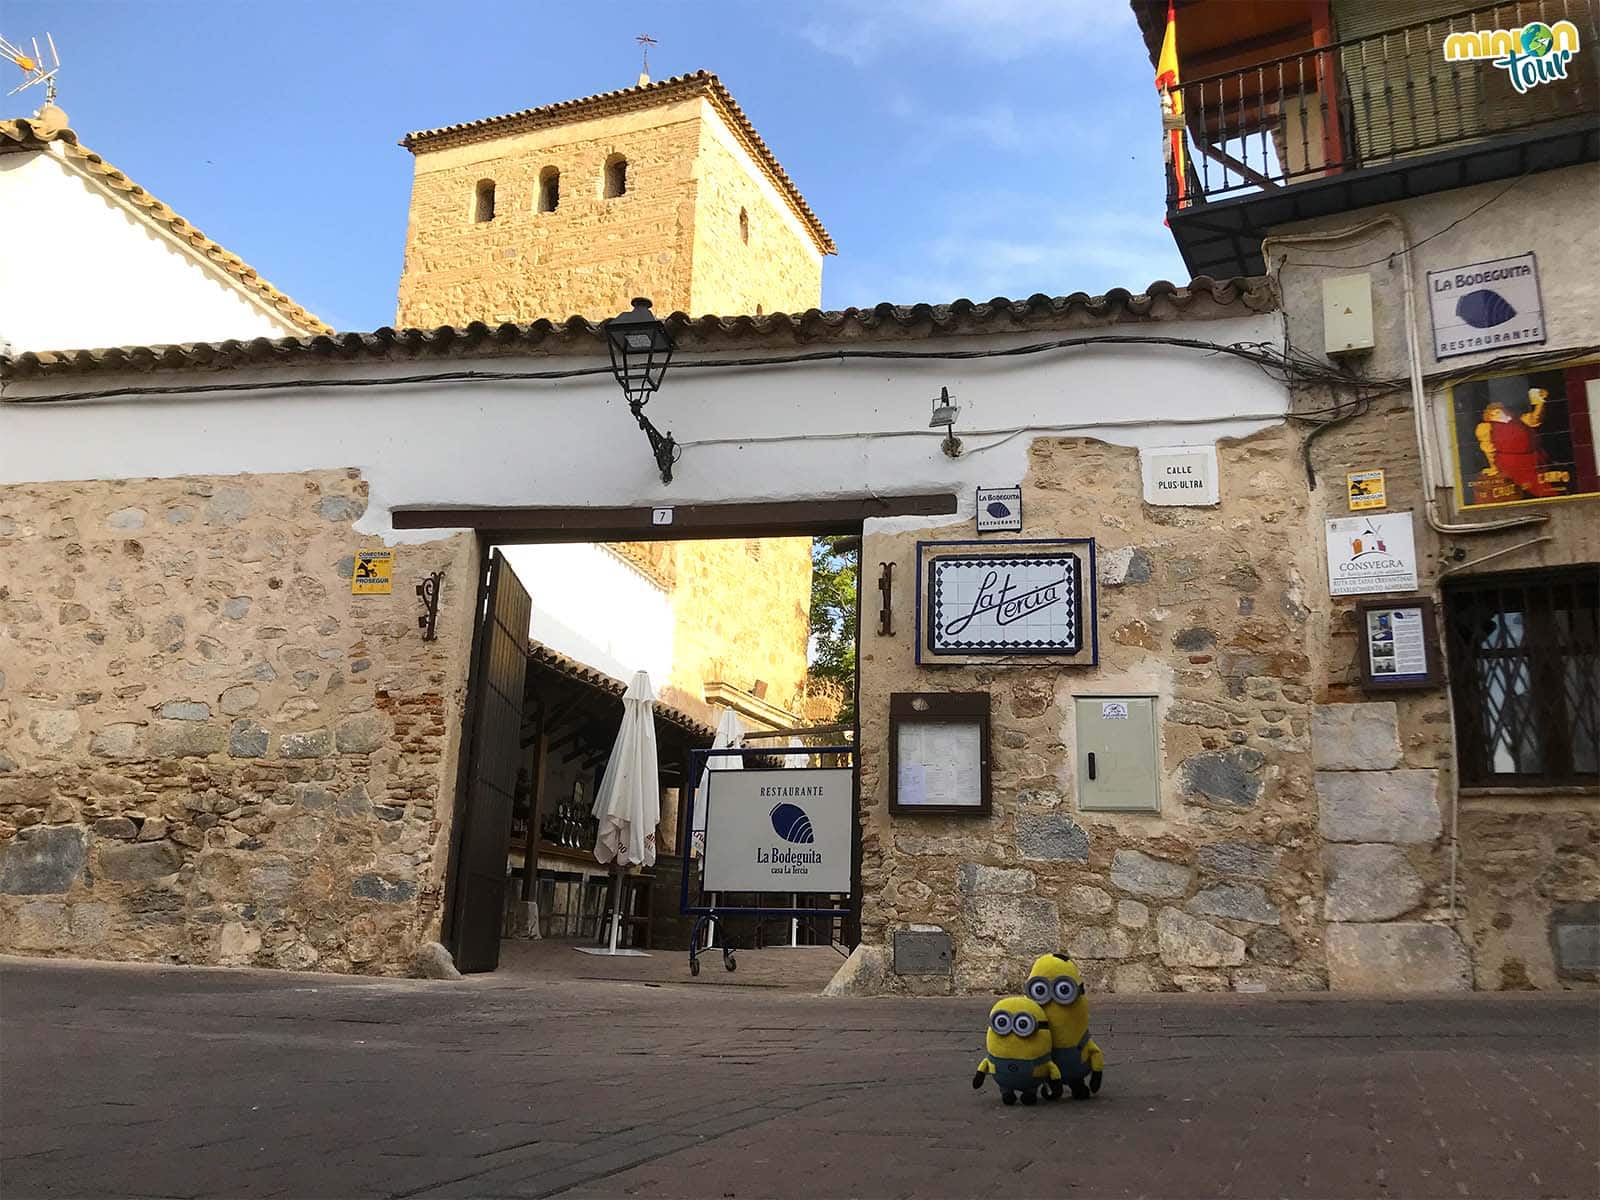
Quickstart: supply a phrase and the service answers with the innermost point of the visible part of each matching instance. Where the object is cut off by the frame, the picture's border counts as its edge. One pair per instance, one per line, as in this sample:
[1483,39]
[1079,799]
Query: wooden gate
[498,679]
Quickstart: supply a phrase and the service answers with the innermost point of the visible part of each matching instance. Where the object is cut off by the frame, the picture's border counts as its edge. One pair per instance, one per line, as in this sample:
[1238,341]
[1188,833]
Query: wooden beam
[534,809]
[777,518]
[1201,62]
[1229,160]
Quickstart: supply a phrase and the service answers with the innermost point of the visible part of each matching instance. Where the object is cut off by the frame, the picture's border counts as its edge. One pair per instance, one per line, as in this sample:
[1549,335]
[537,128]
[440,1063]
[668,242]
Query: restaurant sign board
[785,830]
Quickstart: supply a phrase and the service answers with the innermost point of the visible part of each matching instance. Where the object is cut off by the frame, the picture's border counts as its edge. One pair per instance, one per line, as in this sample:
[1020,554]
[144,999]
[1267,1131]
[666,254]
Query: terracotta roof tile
[645,95]
[577,335]
[554,661]
[23,133]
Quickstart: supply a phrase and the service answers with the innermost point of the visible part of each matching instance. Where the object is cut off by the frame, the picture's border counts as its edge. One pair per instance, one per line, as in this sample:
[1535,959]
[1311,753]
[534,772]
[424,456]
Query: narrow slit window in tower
[744,226]
[616,178]
[549,190]
[484,210]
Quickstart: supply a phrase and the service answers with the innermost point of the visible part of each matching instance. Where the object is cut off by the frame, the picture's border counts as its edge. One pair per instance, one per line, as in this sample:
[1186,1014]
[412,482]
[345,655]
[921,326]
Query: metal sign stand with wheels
[754,852]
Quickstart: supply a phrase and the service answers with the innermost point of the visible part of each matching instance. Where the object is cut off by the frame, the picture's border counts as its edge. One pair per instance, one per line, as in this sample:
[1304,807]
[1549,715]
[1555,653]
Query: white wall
[850,428]
[592,606]
[82,270]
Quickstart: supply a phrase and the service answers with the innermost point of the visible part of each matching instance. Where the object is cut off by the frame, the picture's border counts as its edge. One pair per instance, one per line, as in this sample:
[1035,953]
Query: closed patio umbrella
[628,806]
[729,736]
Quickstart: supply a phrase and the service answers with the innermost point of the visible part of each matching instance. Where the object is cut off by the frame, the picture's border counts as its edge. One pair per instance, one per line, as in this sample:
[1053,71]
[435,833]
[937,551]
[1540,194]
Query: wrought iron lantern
[641,349]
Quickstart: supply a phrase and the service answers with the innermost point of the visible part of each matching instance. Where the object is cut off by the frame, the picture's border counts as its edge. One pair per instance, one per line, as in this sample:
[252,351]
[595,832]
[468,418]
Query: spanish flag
[1167,84]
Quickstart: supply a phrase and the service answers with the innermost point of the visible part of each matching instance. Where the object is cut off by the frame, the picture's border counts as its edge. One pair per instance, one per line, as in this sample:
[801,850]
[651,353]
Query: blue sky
[952,147]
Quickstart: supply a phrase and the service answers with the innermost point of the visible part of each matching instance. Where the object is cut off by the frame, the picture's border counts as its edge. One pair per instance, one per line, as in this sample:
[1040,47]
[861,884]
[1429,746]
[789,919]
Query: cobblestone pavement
[137,1081]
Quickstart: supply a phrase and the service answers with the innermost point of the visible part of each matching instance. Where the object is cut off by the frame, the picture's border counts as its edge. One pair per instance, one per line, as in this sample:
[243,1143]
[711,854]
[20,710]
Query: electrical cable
[1301,262]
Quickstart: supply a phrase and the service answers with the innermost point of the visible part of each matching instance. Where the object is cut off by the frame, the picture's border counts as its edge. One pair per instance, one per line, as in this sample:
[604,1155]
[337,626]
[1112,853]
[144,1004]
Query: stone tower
[662,190]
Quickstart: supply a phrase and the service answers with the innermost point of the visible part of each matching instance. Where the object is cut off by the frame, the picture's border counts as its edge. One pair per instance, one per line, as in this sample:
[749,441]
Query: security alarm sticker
[374,573]
[1366,490]
[1000,510]
[1114,710]
[1375,553]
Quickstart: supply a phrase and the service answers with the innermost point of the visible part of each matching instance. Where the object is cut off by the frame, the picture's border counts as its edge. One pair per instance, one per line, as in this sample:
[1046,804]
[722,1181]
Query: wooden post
[1328,84]
[530,856]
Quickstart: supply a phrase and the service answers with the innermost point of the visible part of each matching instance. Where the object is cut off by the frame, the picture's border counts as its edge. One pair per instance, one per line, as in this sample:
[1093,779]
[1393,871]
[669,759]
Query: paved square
[138,1081]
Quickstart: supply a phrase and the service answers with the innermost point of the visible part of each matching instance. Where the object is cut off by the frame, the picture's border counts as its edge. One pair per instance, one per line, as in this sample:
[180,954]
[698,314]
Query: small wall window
[744,227]
[616,177]
[483,209]
[549,190]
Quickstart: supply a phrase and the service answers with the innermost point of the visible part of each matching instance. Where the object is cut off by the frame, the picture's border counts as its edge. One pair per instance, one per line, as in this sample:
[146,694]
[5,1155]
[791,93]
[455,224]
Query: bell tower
[664,190]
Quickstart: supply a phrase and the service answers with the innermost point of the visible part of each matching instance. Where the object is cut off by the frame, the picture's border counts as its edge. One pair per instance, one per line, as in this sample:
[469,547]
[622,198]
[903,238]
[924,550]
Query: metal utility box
[1119,760]
[1347,314]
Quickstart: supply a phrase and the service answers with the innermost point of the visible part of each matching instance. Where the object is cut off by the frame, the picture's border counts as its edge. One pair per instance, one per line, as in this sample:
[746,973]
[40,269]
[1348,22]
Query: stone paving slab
[140,1081]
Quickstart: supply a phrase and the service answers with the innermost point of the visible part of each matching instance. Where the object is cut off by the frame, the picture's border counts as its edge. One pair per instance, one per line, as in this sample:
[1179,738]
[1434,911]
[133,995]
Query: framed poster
[1399,643]
[939,753]
[1526,438]
[1374,553]
[990,601]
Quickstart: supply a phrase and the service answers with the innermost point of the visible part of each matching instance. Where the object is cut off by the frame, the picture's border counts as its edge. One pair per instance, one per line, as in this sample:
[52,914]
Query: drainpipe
[1419,420]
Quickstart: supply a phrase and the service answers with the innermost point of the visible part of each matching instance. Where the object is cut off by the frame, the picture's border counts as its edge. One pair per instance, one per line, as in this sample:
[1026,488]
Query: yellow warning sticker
[1366,490]
[374,573]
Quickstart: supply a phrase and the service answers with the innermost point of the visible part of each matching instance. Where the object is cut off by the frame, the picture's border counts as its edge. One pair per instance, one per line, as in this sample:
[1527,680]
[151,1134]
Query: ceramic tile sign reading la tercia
[1371,554]
[1486,306]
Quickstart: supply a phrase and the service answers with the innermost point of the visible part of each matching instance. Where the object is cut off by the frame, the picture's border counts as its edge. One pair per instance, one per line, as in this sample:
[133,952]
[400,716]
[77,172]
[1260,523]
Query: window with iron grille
[1525,676]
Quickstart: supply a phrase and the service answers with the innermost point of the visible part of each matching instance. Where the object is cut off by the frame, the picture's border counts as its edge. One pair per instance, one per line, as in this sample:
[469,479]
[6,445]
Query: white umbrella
[730,736]
[628,806]
[795,760]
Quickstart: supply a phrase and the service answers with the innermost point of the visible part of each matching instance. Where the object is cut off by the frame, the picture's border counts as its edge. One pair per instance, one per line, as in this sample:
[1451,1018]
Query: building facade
[96,260]
[663,190]
[1395,160]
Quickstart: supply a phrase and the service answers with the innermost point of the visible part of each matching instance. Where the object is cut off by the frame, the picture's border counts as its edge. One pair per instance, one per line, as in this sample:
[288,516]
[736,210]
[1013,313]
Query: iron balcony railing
[1368,100]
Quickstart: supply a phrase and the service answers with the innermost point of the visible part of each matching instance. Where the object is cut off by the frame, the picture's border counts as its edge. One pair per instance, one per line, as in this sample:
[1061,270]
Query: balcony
[1378,116]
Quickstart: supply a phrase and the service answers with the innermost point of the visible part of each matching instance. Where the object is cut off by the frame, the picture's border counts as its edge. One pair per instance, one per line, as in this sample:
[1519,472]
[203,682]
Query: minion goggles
[1062,990]
[1022,1024]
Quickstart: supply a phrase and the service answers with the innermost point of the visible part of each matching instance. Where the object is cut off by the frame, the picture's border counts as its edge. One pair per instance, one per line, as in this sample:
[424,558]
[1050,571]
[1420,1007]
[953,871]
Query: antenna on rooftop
[33,66]
[645,40]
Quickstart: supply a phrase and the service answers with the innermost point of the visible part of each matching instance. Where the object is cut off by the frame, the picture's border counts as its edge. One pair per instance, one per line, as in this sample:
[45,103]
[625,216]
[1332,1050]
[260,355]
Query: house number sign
[1005,604]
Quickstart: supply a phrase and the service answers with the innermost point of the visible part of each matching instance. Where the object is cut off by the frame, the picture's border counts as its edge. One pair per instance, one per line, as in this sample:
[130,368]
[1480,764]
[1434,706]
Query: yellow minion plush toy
[1018,1045]
[1056,986]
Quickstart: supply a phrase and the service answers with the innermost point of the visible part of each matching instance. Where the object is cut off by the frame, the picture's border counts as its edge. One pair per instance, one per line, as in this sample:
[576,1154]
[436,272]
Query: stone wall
[672,236]
[776,268]
[1205,608]
[588,257]
[212,752]
[743,613]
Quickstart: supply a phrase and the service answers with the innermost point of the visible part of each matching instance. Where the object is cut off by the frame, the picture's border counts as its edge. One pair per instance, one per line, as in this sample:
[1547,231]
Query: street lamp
[640,351]
[945,412]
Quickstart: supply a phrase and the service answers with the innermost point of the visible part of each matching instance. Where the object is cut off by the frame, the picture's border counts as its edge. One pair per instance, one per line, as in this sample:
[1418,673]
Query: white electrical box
[1119,759]
[1347,314]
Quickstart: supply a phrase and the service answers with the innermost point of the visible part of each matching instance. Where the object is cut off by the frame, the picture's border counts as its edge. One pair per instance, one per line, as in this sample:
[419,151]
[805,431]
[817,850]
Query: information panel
[785,830]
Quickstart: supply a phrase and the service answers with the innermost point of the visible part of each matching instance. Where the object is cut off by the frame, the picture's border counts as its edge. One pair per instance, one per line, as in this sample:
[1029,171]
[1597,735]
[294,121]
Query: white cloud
[997,251]
[997,30]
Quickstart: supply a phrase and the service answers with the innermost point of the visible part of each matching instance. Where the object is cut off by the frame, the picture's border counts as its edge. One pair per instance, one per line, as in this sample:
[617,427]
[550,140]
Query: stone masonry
[1204,608]
[210,751]
[674,235]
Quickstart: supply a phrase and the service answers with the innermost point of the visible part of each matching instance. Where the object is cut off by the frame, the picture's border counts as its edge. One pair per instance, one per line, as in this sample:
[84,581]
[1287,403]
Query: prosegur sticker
[374,573]
[1366,490]
[1114,710]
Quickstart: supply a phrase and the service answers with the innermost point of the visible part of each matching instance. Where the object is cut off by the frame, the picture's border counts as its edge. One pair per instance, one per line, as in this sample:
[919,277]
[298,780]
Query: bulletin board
[939,753]
[1399,643]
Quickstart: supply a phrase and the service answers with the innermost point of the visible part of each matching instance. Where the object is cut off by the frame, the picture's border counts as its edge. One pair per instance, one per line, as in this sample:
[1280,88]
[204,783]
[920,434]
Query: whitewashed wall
[80,270]
[592,606]
[823,429]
